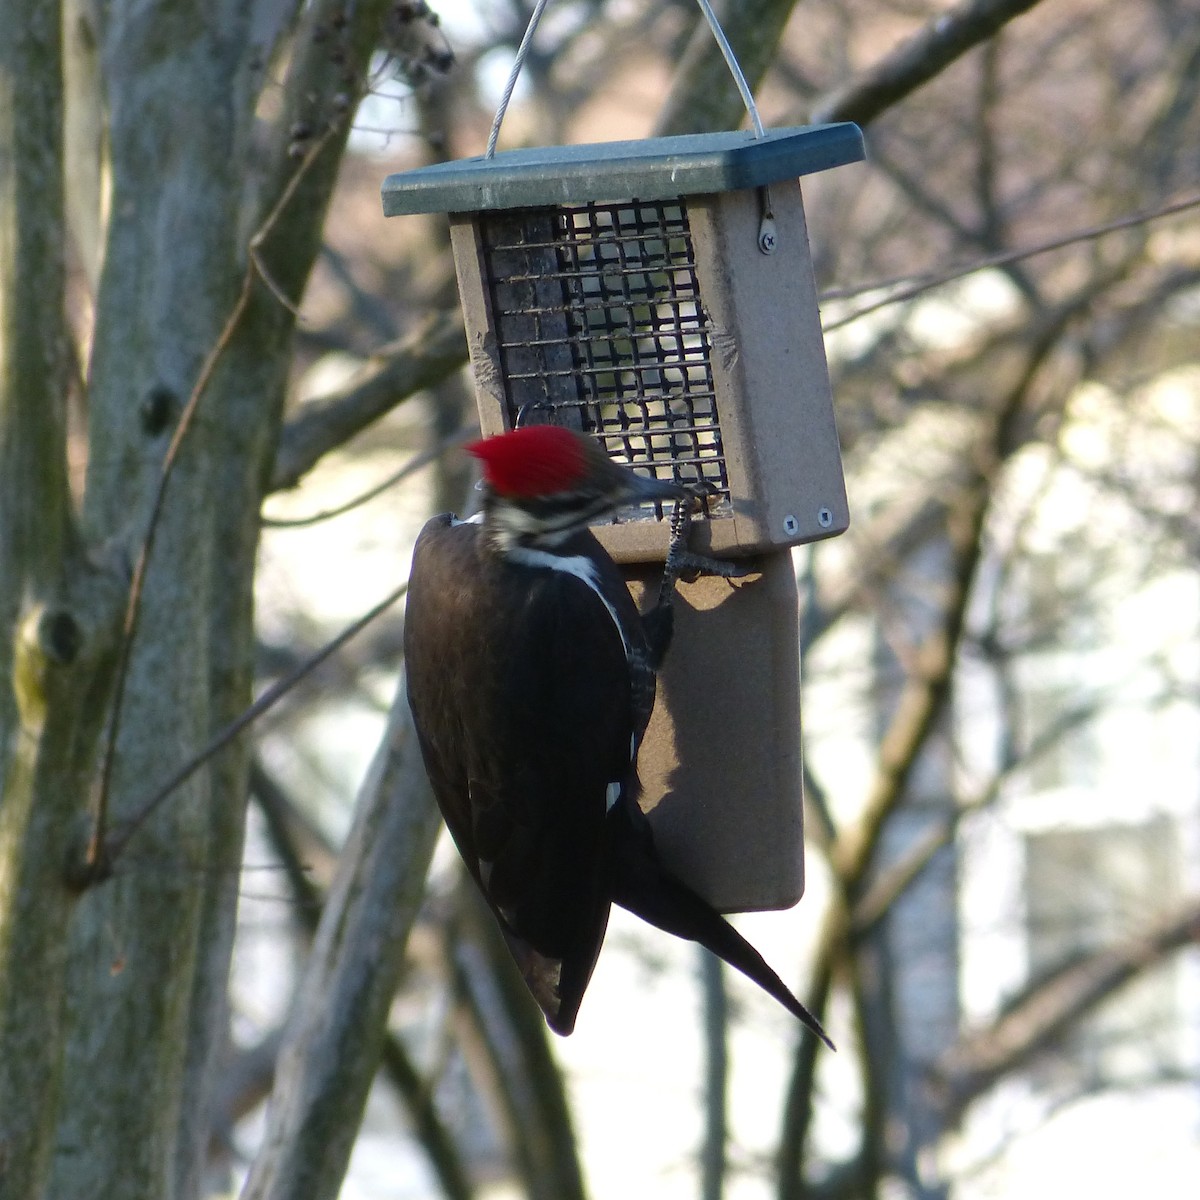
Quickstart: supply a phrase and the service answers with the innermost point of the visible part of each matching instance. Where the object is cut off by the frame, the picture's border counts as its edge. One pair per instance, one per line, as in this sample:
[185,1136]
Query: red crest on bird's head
[537,460]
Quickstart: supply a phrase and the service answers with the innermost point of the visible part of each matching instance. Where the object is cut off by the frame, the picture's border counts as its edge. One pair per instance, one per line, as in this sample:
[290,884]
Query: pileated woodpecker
[531,677]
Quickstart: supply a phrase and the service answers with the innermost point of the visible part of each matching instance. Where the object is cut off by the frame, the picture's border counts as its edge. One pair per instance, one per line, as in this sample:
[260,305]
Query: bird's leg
[659,622]
[681,524]
[682,563]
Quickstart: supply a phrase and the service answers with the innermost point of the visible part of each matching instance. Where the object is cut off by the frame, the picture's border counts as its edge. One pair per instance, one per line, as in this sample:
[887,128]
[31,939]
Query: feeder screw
[824,518]
[790,525]
[767,241]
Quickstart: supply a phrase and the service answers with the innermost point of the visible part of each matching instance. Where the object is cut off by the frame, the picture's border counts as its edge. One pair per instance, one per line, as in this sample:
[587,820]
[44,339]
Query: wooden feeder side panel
[720,764]
[781,443]
[471,267]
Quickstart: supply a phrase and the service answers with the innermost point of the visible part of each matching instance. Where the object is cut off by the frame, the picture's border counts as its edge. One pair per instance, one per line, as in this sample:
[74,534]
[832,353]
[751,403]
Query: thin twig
[276,289]
[94,862]
[457,438]
[1052,1004]
[922,283]
[949,35]
[429,354]
[118,841]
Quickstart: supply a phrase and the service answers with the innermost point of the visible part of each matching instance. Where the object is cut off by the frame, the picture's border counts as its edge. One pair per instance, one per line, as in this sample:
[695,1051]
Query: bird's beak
[646,487]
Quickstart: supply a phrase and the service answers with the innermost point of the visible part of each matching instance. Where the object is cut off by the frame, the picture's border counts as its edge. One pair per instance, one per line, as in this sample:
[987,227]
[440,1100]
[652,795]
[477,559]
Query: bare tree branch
[39,800]
[915,62]
[309,860]
[704,97]
[289,833]
[434,1137]
[417,463]
[396,372]
[910,287]
[918,710]
[713,1155]
[1034,1021]
[506,1043]
[800,1098]
[116,843]
[98,864]
[334,1036]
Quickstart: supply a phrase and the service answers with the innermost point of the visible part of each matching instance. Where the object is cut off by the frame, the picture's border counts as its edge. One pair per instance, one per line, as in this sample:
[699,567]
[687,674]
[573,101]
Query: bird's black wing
[520,689]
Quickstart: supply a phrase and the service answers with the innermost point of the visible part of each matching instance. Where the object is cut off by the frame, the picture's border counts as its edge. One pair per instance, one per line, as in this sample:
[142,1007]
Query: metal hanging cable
[718,33]
[518,63]
[734,66]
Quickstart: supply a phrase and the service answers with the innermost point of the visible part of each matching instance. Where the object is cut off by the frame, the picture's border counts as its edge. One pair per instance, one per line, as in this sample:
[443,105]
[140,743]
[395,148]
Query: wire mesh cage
[659,296]
[600,325]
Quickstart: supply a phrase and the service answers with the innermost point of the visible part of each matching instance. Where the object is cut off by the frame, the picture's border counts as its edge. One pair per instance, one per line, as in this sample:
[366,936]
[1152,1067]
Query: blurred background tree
[202,309]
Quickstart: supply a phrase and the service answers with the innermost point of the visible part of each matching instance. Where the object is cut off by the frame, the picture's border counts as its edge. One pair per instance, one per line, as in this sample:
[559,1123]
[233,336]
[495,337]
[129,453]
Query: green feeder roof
[650,169]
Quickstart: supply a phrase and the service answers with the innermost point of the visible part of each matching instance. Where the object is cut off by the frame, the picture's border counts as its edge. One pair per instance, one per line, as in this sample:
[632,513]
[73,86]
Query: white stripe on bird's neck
[578,566]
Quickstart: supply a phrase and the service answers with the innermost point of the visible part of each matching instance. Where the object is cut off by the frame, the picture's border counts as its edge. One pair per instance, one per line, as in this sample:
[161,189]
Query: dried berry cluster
[416,50]
[415,42]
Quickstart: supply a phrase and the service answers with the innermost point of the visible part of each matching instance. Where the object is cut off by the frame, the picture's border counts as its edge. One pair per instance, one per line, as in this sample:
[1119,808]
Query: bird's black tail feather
[640,884]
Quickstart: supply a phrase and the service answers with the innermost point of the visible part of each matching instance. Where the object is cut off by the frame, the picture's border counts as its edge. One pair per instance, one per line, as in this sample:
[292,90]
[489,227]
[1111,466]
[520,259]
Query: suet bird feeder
[659,296]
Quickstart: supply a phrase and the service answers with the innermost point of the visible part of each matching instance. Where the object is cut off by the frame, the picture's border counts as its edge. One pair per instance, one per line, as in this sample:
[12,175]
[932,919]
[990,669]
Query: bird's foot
[683,563]
[689,566]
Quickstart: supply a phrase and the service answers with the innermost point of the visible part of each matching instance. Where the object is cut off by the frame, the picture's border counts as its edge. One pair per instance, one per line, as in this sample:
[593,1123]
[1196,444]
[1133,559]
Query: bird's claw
[689,566]
[681,562]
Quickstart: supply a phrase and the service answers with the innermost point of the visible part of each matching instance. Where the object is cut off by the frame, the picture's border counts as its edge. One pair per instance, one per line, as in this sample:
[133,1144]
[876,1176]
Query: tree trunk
[132,978]
[53,626]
